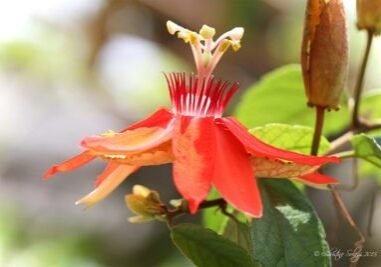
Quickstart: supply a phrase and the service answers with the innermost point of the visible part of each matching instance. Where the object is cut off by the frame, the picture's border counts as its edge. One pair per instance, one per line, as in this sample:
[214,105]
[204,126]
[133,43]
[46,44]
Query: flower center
[202,97]
[207,52]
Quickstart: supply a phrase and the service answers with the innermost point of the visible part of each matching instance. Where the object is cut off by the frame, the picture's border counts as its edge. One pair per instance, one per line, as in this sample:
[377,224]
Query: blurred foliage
[279,98]
[19,249]
[44,55]
[371,105]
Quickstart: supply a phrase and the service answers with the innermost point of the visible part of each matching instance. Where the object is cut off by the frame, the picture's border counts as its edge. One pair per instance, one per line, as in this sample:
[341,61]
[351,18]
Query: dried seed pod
[369,15]
[324,54]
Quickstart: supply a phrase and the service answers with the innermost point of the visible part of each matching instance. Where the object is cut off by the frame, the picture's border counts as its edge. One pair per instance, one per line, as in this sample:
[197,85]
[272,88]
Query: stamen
[206,52]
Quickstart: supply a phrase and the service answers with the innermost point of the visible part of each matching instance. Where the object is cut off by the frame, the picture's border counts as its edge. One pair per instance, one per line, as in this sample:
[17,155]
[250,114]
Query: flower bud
[369,15]
[324,55]
[145,203]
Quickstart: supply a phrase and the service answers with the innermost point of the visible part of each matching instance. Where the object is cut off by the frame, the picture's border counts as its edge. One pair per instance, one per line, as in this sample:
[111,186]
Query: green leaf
[291,137]
[206,248]
[240,234]
[368,148]
[279,98]
[289,233]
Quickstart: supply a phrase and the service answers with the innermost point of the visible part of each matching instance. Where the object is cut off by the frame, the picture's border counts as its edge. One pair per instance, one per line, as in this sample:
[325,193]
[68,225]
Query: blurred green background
[72,68]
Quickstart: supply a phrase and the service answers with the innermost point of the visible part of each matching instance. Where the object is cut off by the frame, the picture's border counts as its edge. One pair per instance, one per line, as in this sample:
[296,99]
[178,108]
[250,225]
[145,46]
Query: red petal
[112,177]
[261,149]
[233,174]
[193,144]
[136,140]
[159,118]
[70,164]
[316,178]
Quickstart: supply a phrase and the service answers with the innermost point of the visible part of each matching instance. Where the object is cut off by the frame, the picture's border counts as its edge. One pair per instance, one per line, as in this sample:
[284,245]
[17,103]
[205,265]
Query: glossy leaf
[289,233]
[291,137]
[279,98]
[206,248]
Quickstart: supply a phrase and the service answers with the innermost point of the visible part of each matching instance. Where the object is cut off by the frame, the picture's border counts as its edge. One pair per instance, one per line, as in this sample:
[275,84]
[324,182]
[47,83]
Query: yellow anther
[225,44]
[207,32]
[194,38]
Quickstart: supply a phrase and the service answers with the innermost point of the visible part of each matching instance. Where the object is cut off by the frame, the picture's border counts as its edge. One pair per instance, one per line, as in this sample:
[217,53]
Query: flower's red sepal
[233,174]
[193,148]
[260,149]
[70,164]
[317,179]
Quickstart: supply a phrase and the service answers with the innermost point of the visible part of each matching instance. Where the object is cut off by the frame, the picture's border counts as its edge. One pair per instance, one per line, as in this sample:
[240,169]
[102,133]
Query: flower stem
[360,82]
[319,124]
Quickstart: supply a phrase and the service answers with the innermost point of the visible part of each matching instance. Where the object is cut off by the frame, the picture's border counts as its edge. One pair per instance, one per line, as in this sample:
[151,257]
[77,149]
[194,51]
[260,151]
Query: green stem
[319,124]
[360,82]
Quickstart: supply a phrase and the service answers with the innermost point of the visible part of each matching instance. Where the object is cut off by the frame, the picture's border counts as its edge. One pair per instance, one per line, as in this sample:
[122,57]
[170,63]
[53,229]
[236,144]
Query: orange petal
[130,141]
[161,154]
[193,144]
[112,176]
[261,149]
[70,164]
[233,174]
[275,168]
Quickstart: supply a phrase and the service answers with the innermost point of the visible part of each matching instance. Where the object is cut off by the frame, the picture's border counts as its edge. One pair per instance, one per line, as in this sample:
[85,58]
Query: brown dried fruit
[369,15]
[324,52]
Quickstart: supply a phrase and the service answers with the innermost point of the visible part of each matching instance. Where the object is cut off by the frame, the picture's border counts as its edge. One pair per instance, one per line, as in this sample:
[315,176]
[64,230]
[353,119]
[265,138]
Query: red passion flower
[205,148]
